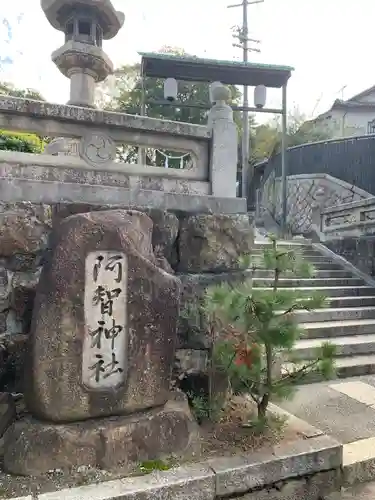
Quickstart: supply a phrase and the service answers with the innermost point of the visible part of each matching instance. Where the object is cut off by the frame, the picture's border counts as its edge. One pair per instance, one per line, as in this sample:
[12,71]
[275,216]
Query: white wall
[344,123]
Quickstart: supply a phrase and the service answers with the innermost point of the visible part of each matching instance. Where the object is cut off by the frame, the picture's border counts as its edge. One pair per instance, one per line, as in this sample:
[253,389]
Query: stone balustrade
[74,171]
[349,219]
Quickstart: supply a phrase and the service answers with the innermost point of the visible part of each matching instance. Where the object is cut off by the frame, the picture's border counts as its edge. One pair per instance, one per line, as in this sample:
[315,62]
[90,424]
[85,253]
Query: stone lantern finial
[86,23]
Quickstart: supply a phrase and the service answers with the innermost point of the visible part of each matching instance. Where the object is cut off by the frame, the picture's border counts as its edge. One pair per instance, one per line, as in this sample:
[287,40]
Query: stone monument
[102,345]
[104,327]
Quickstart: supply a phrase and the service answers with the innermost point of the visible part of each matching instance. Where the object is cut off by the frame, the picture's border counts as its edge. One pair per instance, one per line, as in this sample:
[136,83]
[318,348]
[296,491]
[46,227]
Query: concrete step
[334,291]
[309,253]
[335,314]
[319,265]
[346,366]
[329,329]
[319,273]
[283,244]
[308,282]
[345,346]
[353,301]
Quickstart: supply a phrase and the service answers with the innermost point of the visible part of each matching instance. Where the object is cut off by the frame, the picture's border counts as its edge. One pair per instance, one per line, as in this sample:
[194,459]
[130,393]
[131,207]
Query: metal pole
[284,165]
[245,115]
[142,151]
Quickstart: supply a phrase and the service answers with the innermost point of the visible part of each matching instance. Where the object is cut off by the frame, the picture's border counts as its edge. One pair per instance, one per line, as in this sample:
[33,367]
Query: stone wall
[303,192]
[358,250]
[201,249]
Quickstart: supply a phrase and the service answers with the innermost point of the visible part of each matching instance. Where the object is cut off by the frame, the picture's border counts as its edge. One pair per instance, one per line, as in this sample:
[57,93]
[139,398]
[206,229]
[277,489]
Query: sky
[330,43]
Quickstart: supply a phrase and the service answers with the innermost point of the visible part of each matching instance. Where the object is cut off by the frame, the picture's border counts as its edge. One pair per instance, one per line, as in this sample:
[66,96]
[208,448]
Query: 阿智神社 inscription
[105,303]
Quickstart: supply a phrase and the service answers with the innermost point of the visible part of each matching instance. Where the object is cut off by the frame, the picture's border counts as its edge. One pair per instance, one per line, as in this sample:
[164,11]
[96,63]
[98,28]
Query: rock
[7,412]
[22,297]
[192,325]
[5,288]
[24,228]
[192,375]
[64,382]
[164,234]
[13,350]
[24,262]
[33,448]
[214,243]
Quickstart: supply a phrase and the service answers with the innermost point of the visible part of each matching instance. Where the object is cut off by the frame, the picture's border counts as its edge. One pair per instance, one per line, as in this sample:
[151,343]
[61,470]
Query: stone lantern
[85,23]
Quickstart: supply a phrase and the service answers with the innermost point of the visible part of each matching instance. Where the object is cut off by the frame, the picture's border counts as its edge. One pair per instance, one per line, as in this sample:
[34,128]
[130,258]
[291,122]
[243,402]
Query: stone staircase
[348,321]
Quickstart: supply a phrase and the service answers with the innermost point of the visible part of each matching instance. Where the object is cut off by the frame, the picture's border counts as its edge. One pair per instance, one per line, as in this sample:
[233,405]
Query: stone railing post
[316,212]
[224,153]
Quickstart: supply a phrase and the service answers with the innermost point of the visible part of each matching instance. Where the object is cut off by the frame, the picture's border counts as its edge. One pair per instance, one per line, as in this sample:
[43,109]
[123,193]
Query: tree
[129,95]
[7,88]
[19,141]
[265,139]
[254,327]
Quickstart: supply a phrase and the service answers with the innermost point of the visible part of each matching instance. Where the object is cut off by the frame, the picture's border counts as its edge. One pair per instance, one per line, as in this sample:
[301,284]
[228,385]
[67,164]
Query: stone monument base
[33,447]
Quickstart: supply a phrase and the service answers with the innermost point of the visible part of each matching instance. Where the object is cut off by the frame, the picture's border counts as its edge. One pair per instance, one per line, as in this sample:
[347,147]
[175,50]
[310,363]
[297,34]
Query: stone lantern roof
[58,11]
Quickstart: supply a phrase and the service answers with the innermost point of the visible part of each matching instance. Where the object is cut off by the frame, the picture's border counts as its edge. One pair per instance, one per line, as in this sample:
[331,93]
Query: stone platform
[33,447]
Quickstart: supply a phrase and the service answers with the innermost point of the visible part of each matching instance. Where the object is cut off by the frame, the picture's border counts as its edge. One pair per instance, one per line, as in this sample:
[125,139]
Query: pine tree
[256,329]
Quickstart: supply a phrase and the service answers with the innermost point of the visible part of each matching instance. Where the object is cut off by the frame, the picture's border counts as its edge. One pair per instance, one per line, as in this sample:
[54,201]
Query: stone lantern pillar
[85,23]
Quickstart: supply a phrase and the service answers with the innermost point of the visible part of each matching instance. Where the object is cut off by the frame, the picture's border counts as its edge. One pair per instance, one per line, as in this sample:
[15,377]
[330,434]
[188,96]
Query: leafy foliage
[22,142]
[149,466]
[128,98]
[256,328]
[19,141]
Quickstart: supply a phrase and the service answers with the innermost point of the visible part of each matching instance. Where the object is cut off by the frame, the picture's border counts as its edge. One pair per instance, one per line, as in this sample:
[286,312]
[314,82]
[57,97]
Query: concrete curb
[359,462]
[227,477]
[358,456]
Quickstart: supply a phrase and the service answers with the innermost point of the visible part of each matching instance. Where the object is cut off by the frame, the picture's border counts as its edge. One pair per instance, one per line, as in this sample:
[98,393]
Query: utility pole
[242,35]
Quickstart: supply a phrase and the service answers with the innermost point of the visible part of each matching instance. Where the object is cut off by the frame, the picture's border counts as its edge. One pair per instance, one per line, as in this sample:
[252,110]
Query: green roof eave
[198,69]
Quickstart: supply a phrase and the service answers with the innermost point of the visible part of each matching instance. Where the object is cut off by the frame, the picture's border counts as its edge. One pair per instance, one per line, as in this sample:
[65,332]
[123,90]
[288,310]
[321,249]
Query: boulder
[33,448]
[24,228]
[104,323]
[214,243]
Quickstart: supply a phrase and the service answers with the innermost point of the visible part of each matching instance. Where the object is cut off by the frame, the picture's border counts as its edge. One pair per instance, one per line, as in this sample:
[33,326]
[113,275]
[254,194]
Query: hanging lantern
[260,94]
[170,89]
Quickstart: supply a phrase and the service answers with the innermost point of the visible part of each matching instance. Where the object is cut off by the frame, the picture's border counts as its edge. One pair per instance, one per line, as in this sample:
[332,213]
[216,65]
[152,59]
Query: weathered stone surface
[241,474]
[7,411]
[359,251]
[58,327]
[22,297]
[313,487]
[5,288]
[164,232]
[192,327]
[19,262]
[191,482]
[13,350]
[214,243]
[168,432]
[164,235]
[33,447]
[24,228]
[191,375]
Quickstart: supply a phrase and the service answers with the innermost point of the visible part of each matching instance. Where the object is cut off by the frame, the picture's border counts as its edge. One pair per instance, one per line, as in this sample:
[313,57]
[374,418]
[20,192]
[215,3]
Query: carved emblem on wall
[97,149]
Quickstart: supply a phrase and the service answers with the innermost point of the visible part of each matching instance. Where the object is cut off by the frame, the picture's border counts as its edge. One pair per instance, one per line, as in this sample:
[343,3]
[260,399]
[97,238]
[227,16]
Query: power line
[241,33]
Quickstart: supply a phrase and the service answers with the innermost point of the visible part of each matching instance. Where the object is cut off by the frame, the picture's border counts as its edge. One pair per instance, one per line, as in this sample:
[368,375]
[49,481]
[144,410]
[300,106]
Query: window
[84,28]
[84,32]
[371,127]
